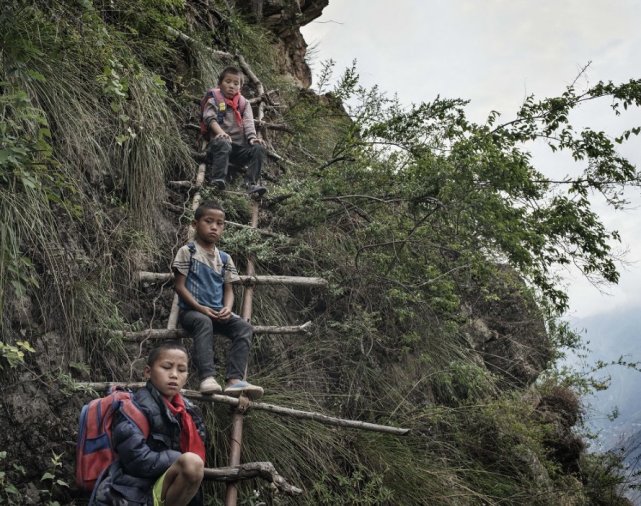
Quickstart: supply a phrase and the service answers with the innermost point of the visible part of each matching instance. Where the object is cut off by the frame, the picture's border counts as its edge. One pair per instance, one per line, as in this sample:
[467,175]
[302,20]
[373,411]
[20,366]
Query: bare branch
[264,470]
[279,410]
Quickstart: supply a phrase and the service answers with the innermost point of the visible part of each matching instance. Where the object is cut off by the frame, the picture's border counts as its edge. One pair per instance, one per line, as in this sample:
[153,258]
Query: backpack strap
[224,257]
[221,106]
[133,413]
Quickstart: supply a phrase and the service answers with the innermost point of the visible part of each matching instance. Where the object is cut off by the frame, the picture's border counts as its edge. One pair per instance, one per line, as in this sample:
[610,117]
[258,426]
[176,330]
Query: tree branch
[264,470]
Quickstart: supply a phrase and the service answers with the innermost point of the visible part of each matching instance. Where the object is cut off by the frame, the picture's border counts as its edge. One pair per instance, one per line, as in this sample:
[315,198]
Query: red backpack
[221,107]
[93,449]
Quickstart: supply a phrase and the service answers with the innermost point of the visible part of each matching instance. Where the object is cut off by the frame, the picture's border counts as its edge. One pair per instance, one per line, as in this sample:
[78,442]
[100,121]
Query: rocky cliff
[419,327]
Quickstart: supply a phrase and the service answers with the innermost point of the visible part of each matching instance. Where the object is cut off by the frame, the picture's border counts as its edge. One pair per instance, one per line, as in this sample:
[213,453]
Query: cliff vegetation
[439,238]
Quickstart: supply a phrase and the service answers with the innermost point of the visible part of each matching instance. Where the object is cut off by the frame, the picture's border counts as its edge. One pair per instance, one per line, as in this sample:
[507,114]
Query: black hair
[208,204]
[231,70]
[168,345]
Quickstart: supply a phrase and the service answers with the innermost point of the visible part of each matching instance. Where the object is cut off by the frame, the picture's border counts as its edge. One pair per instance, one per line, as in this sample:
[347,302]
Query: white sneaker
[243,387]
[210,386]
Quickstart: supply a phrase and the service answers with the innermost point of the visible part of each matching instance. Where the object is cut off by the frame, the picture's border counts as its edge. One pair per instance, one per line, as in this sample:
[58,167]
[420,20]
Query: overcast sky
[495,53]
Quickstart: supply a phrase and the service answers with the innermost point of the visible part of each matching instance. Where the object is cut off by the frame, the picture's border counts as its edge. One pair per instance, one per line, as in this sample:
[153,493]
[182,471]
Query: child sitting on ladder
[167,467]
[204,277]
[229,124]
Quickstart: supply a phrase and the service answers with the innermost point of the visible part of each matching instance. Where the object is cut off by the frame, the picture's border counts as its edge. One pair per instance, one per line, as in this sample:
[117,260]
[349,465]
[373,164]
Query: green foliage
[359,488]
[439,237]
[29,182]
[51,480]
[474,186]
[14,354]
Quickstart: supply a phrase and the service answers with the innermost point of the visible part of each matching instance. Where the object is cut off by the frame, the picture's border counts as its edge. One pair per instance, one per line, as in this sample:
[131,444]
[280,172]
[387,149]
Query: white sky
[495,53]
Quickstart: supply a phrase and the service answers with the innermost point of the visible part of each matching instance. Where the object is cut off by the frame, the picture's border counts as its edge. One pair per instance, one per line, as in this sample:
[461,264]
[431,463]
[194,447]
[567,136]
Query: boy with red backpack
[228,124]
[166,464]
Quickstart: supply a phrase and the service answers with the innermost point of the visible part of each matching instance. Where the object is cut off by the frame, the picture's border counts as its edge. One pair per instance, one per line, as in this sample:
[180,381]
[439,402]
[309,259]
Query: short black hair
[167,345]
[231,70]
[208,204]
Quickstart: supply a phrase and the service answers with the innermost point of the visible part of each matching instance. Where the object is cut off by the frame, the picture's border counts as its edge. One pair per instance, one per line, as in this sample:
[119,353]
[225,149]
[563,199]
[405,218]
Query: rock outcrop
[284,18]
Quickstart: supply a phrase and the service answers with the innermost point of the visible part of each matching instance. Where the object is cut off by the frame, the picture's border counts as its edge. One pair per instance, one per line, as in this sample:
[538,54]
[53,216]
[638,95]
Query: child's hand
[209,312]
[256,140]
[224,314]
[223,136]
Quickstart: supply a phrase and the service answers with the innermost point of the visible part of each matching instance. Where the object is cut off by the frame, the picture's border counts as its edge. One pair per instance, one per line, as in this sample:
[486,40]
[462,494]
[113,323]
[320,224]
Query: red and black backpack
[94,452]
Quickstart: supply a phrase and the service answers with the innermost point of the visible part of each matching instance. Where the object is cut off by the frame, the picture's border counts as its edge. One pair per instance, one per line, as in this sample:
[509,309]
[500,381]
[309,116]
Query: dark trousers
[221,152]
[202,328]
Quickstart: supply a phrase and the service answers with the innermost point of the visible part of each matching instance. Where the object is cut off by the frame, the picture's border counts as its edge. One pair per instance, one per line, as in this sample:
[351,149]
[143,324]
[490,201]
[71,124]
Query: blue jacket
[141,462]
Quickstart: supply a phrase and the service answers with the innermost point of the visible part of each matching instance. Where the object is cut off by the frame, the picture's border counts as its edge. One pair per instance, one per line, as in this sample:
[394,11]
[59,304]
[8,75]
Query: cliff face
[418,328]
[284,18]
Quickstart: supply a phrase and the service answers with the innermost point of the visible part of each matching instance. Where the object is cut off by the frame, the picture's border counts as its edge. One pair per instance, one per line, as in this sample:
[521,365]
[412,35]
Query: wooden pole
[236,436]
[246,280]
[174,333]
[264,470]
[261,406]
[172,322]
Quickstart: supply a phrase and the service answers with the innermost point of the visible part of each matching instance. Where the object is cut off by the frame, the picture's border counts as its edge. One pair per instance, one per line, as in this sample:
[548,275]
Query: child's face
[210,226]
[169,372]
[230,85]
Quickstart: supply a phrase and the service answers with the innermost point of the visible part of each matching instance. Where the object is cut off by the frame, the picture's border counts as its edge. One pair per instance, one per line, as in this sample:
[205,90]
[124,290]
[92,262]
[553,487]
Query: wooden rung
[279,410]
[161,277]
[250,470]
[183,184]
[173,333]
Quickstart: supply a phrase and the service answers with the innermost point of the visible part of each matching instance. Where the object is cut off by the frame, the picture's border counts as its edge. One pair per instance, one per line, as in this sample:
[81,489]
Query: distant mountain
[611,336]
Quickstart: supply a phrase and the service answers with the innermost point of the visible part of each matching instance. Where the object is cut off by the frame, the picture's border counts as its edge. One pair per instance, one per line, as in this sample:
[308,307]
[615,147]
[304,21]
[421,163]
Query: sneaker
[243,387]
[255,189]
[210,386]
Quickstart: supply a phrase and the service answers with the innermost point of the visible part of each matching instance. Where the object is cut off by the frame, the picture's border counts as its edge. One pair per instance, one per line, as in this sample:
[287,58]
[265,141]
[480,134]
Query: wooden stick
[161,277]
[261,406]
[175,333]
[275,126]
[186,38]
[249,470]
[238,414]
[183,184]
[174,208]
[172,322]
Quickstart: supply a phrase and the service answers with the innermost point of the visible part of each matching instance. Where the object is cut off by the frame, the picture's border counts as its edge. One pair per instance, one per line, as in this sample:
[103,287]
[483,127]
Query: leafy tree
[475,186]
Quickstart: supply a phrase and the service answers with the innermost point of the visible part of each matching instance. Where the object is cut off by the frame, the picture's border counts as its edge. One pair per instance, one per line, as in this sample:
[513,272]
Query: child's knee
[246,331]
[218,145]
[191,466]
[201,321]
[258,151]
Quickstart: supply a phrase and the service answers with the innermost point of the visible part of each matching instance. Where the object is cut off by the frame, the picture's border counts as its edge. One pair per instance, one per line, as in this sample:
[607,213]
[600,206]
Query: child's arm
[249,127]
[217,131]
[210,115]
[181,290]
[137,458]
[228,302]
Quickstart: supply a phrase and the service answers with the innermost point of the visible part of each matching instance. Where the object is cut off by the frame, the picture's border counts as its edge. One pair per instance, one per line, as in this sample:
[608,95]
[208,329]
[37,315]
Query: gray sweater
[239,134]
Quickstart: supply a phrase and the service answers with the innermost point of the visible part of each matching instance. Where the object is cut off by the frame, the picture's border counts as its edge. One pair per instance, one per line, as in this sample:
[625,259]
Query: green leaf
[26,346]
[34,74]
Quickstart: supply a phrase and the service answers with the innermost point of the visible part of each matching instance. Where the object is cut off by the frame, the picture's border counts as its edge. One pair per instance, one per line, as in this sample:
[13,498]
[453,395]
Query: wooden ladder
[237,471]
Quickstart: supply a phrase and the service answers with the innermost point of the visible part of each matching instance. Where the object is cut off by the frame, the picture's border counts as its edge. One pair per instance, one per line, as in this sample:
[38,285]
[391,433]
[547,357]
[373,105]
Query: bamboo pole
[172,322]
[261,406]
[245,280]
[236,436]
[175,333]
